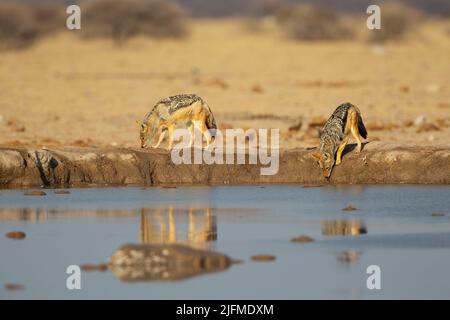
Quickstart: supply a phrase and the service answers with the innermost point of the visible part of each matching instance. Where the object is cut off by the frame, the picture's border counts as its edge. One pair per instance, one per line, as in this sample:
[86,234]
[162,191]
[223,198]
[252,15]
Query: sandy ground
[68,92]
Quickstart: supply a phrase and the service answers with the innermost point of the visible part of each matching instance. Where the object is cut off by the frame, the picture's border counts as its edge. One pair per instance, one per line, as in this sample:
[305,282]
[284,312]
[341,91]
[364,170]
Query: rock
[102,267]
[257,89]
[350,208]
[79,167]
[420,120]
[61,192]
[302,239]
[16,235]
[149,262]
[35,193]
[14,287]
[404,89]
[438,214]
[263,257]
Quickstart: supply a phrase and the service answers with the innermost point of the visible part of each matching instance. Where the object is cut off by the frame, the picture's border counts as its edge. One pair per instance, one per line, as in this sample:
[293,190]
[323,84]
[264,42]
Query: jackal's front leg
[340,150]
[170,131]
[207,135]
[161,138]
[192,132]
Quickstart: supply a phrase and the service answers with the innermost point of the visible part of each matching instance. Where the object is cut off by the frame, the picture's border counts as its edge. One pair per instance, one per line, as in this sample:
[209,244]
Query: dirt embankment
[378,163]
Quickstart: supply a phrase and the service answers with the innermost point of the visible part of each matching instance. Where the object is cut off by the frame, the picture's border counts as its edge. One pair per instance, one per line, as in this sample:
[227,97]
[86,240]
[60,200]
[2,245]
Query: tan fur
[345,122]
[196,114]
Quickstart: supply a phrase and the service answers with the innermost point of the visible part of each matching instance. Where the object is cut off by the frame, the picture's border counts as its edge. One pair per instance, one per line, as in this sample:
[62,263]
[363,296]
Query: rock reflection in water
[193,227]
[175,245]
[343,228]
[349,257]
[164,262]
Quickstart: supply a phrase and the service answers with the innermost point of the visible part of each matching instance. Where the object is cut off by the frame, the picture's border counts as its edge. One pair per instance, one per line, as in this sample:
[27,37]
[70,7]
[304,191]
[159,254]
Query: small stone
[14,287]
[16,235]
[420,120]
[257,89]
[404,89]
[35,193]
[102,267]
[263,257]
[61,192]
[350,208]
[438,214]
[302,239]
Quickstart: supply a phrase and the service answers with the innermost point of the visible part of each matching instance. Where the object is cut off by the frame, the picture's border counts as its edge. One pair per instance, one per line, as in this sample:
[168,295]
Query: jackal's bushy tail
[361,128]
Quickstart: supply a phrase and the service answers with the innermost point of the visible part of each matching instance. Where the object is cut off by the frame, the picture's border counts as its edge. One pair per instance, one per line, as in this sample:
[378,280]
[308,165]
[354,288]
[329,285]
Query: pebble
[16,235]
[302,239]
[35,193]
[350,208]
[438,214]
[263,257]
[14,286]
[102,267]
[61,192]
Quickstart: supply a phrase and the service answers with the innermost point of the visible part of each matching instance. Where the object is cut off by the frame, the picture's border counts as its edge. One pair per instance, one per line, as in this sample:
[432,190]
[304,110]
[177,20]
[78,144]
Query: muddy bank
[378,163]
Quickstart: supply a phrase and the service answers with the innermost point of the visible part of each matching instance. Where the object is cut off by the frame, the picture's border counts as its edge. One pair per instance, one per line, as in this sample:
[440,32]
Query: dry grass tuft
[397,20]
[308,22]
[121,20]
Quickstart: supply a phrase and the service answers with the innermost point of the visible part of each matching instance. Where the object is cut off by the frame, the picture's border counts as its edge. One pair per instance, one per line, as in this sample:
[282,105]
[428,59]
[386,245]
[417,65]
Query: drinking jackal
[167,114]
[335,135]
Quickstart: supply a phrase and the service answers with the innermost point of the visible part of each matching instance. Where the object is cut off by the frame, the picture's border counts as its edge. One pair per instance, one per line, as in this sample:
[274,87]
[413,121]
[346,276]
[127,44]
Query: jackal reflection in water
[343,228]
[194,227]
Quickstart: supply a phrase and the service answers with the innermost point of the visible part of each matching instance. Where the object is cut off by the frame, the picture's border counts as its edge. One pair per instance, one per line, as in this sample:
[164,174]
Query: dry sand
[69,92]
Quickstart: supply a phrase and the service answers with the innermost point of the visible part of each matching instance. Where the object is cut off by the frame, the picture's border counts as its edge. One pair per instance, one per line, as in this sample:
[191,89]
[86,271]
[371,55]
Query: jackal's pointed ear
[315,155]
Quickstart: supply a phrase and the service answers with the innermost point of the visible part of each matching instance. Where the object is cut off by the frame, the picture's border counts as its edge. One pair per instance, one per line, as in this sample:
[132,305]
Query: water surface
[394,228]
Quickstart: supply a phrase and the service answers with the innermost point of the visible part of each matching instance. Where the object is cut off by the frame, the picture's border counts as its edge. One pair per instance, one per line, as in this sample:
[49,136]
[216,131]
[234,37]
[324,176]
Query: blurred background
[258,63]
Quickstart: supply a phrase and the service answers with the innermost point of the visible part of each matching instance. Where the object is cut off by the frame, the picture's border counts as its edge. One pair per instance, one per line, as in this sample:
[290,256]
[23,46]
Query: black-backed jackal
[335,135]
[185,109]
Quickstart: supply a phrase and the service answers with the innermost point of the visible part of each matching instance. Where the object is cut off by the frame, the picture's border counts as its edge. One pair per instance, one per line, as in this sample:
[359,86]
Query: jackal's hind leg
[355,133]
[340,150]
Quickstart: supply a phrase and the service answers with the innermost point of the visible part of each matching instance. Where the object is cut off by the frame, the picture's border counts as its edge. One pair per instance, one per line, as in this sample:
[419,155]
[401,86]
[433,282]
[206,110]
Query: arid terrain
[70,92]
